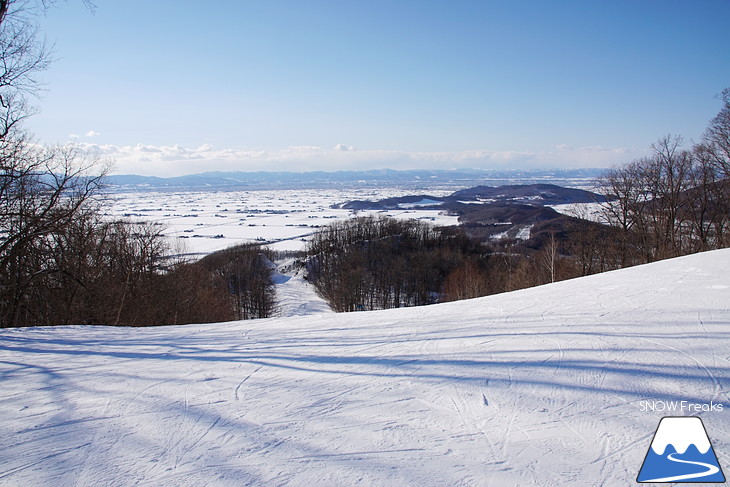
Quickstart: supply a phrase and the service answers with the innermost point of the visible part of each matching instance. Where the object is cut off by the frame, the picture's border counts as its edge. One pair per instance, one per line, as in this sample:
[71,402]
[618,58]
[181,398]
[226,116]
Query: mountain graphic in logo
[680,452]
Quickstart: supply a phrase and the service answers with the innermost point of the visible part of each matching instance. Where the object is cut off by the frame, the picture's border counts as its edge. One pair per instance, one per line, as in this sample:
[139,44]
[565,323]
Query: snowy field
[594,212]
[203,222]
[547,386]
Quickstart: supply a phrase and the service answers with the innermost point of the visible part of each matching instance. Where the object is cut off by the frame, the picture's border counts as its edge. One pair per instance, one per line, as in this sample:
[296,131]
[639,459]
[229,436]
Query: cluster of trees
[245,273]
[81,270]
[90,270]
[376,263]
[675,201]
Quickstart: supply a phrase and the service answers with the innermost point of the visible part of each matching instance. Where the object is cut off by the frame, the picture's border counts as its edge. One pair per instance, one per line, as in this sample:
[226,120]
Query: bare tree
[41,190]
[717,137]
[22,56]
[714,153]
[626,203]
[550,255]
[465,282]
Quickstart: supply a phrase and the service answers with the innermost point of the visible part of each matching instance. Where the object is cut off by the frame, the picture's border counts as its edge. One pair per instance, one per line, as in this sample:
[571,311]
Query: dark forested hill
[530,194]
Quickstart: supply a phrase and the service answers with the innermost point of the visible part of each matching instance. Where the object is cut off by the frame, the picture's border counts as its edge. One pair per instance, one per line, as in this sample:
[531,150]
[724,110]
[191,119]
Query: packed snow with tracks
[544,386]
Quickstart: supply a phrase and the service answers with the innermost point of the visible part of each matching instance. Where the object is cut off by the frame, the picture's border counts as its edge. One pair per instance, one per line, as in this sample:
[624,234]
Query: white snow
[537,387]
[524,233]
[422,202]
[296,296]
[594,212]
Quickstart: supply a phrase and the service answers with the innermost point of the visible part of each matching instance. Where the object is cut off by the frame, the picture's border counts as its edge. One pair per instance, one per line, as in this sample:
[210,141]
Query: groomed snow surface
[545,386]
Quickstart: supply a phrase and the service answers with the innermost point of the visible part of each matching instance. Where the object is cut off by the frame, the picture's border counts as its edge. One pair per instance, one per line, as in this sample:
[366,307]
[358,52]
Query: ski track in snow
[536,387]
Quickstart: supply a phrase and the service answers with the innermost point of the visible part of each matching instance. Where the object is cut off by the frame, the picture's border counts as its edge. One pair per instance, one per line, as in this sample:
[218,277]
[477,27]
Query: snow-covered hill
[547,386]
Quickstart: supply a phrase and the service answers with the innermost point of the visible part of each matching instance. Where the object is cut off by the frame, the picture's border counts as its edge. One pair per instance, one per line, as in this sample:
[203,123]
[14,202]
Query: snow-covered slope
[546,386]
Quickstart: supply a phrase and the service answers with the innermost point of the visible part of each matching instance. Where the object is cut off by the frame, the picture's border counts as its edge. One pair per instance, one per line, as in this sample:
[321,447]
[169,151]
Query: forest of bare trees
[122,273]
[245,275]
[376,263]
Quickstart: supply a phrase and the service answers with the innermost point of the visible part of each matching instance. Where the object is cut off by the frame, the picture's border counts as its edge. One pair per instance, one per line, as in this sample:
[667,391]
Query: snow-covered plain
[594,212]
[546,386]
[203,222]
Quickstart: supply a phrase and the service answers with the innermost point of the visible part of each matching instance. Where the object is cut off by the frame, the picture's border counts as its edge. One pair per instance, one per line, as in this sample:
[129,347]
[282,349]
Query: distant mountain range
[414,179]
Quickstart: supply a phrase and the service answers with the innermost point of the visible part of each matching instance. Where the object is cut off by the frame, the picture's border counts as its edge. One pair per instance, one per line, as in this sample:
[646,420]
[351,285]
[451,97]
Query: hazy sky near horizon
[169,88]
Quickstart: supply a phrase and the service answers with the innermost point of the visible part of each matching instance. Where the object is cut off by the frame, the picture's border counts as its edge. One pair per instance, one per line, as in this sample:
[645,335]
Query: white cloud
[178,160]
[90,133]
[344,148]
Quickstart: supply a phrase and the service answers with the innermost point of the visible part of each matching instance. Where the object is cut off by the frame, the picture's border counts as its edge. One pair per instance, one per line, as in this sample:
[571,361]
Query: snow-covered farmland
[588,211]
[203,222]
[545,386]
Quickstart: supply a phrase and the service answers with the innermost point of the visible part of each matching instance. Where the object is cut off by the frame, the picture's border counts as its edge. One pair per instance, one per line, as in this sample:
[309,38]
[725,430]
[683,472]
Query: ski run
[549,386]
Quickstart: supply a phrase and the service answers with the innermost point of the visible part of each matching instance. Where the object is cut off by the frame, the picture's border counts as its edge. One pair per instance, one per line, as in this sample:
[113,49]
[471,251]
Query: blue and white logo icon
[680,452]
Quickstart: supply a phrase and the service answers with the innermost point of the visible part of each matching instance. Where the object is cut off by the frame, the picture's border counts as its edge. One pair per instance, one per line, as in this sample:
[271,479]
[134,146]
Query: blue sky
[179,87]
